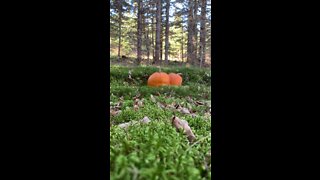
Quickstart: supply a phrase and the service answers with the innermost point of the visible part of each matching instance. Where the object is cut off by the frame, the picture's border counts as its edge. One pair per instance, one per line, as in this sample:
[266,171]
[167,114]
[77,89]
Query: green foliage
[156,150]
[191,76]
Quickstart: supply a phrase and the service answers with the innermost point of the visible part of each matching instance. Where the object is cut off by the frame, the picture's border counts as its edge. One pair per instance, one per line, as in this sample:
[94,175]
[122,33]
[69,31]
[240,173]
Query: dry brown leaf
[140,103]
[199,103]
[114,112]
[145,120]
[138,95]
[161,105]
[172,106]
[182,124]
[125,125]
[117,106]
[185,111]
[135,107]
[189,99]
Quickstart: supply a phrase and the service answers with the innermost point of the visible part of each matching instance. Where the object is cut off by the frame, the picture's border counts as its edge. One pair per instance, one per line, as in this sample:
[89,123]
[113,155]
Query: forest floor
[131,61]
[144,141]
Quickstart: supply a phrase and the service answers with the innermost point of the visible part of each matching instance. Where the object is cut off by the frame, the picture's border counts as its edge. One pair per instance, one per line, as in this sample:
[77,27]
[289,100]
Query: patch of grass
[196,91]
[156,150]
[140,74]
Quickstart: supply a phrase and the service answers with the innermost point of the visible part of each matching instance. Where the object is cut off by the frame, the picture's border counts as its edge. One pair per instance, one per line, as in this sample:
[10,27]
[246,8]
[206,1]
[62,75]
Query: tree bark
[190,46]
[182,42]
[161,45]
[120,22]
[182,39]
[167,32]
[195,30]
[152,39]
[139,32]
[202,50]
[158,31]
[147,38]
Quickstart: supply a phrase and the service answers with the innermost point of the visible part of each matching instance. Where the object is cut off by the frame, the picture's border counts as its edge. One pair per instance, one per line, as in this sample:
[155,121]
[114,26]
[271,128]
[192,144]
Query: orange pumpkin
[159,79]
[175,79]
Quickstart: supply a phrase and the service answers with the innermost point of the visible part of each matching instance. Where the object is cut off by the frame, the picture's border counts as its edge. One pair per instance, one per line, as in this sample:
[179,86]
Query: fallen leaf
[140,103]
[145,120]
[172,106]
[125,125]
[135,107]
[114,112]
[189,99]
[182,124]
[185,111]
[199,103]
[161,105]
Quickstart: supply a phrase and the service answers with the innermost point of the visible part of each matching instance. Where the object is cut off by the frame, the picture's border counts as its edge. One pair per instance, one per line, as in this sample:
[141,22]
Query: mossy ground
[156,150]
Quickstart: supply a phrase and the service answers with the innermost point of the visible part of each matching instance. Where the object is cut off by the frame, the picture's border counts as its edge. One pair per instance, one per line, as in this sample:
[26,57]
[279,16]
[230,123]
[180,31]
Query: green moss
[156,150]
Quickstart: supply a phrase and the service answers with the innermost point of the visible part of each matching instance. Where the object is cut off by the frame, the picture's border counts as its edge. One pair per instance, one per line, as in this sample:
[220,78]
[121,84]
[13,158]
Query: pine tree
[202,50]
[167,32]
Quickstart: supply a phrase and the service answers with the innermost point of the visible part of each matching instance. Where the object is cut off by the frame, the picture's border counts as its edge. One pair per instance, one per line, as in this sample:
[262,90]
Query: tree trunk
[120,21]
[202,50]
[161,45]
[167,32]
[182,42]
[152,38]
[158,31]
[195,30]
[139,32]
[147,39]
[190,46]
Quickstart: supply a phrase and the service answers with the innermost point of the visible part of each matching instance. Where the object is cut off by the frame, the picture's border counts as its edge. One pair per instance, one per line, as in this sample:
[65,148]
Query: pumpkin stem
[159,68]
